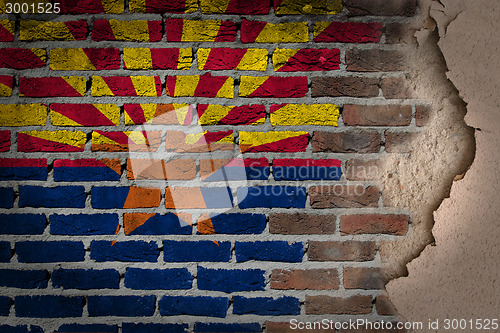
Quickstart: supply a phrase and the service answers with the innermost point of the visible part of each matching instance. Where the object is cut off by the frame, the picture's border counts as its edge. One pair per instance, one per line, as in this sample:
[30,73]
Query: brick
[281,251]
[266,306]
[400,142]
[345,86]
[153,279]
[7,30]
[56,197]
[122,306]
[158,114]
[17,58]
[149,59]
[23,114]
[307,7]
[64,86]
[194,306]
[396,88]
[363,278]
[181,30]
[316,279]
[373,60]
[97,328]
[398,33]
[6,84]
[156,224]
[354,305]
[211,114]
[129,251]
[384,306]
[156,328]
[92,6]
[234,169]
[86,279]
[361,142]
[198,197]
[204,85]
[84,59]
[344,196]
[4,142]
[178,169]
[232,59]
[125,197]
[162,7]
[341,251]
[197,251]
[422,115]
[304,114]
[43,251]
[306,169]
[298,60]
[143,86]
[52,31]
[301,224]
[231,224]
[206,141]
[129,31]
[221,327]
[263,32]
[87,170]
[279,142]
[6,199]
[134,141]
[363,170]
[286,327]
[51,141]
[230,280]
[391,224]
[5,304]
[24,279]
[347,32]
[20,328]
[381,8]
[49,306]
[239,7]
[22,224]
[273,86]
[271,197]
[84,114]
[84,224]
[5,252]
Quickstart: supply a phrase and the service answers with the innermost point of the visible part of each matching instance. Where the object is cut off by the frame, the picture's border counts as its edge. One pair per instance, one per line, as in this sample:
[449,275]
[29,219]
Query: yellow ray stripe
[144,85]
[313,114]
[133,31]
[76,139]
[99,87]
[249,84]
[110,111]
[58,119]
[186,85]
[281,57]
[227,89]
[262,138]
[44,30]
[315,7]
[214,113]
[77,82]
[291,32]
[113,6]
[200,31]
[137,6]
[137,58]
[214,6]
[9,25]
[181,111]
[202,55]
[40,53]
[185,58]
[23,114]
[98,139]
[5,91]
[319,27]
[70,59]
[136,137]
[254,60]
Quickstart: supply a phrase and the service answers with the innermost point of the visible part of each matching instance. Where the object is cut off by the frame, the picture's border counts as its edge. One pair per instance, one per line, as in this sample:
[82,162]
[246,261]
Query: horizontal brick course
[347,142]
[300,223]
[318,279]
[353,305]
[374,224]
[377,115]
[345,86]
[341,251]
[344,196]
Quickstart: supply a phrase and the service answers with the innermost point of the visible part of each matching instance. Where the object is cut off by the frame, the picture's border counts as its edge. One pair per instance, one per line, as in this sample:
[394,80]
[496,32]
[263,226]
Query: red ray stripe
[293,144]
[351,32]
[211,137]
[83,114]
[81,6]
[4,140]
[46,87]
[7,80]
[174,30]
[79,163]
[224,58]
[164,58]
[170,83]
[158,86]
[108,58]
[209,86]
[313,60]
[276,107]
[248,7]
[27,143]
[154,28]
[282,87]
[227,32]
[118,137]
[244,115]
[120,85]
[136,113]
[250,30]
[102,30]
[23,162]
[5,35]
[78,29]
[306,162]
[19,59]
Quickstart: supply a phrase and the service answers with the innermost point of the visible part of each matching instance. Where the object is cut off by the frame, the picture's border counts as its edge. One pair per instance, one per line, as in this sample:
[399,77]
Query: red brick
[349,32]
[381,7]
[52,87]
[396,88]
[210,141]
[374,60]
[385,307]
[400,142]
[91,6]
[179,169]
[344,196]
[316,279]
[301,224]
[323,304]
[273,87]
[284,327]
[306,60]
[129,31]
[391,224]
[238,7]
[345,86]
[341,251]
[22,58]
[398,33]
[362,170]
[377,115]
[346,142]
[4,141]
[422,115]
[363,278]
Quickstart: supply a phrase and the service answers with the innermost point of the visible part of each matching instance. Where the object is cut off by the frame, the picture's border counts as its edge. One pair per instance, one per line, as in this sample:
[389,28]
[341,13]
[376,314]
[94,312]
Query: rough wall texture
[215,166]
